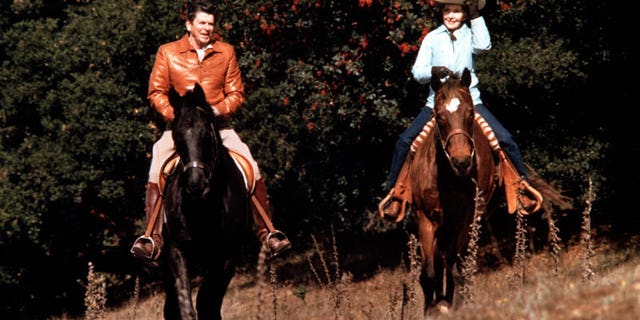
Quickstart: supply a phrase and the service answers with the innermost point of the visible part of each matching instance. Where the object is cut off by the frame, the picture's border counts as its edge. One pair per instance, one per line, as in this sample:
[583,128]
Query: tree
[328,87]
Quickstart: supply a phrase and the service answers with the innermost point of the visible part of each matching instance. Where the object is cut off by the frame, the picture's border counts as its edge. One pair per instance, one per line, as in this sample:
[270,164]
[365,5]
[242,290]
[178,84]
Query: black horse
[207,209]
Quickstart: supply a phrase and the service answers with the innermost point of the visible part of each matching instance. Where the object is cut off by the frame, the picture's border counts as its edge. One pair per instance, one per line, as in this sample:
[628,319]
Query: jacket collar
[184,45]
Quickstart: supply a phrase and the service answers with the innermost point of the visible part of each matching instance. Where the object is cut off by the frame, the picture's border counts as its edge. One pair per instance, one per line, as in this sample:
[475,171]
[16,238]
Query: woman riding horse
[445,50]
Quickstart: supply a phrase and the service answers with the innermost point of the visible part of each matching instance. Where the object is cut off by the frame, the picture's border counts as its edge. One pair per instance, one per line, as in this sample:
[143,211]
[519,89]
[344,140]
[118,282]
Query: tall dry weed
[517,276]
[585,235]
[554,240]
[470,262]
[336,281]
[95,298]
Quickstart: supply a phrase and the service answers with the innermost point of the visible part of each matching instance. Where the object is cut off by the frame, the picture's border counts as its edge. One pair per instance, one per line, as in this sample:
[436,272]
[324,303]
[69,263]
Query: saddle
[169,166]
[520,195]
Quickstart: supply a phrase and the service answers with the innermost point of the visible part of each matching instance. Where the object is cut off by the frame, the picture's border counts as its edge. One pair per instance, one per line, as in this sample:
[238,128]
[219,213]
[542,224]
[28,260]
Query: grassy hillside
[599,280]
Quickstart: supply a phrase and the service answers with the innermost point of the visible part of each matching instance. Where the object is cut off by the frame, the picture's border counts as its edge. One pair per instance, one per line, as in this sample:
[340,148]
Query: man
[199,57]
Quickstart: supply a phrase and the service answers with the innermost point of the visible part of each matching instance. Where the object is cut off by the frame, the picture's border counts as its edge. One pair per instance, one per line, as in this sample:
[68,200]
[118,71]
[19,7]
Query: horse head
[454,114]
[195,137]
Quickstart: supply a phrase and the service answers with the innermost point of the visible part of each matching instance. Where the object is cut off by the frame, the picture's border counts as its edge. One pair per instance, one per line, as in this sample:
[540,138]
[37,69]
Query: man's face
[201,29]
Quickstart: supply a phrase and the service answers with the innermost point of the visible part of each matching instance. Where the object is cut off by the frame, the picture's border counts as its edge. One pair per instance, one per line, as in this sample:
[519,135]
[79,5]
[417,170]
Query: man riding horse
[199,57]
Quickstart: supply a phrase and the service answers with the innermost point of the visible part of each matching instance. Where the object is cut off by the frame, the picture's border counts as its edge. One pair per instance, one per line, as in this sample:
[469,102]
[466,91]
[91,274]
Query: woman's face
[452,16]
[201,29]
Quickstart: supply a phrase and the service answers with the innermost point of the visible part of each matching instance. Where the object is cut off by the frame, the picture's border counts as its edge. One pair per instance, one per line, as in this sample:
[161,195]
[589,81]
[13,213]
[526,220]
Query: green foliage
[328,88]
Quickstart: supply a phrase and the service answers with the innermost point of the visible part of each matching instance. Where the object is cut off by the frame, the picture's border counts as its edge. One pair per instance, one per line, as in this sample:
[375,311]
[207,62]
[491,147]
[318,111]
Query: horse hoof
[443,308]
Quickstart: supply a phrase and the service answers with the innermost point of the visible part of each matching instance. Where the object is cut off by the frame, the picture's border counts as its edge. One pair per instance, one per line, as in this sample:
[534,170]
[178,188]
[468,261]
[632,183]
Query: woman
[450,48]
[198,57]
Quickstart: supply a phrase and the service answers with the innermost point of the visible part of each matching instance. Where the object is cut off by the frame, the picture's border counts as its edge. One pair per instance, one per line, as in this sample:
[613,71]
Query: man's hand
[440,72]
[474,12]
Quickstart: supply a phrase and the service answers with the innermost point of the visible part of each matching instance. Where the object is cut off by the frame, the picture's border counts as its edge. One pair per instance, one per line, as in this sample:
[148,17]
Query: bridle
[199,164]
[445,142]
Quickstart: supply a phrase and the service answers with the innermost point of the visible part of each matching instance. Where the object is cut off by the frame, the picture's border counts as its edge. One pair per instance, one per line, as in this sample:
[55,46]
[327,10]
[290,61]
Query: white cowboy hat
[481,3]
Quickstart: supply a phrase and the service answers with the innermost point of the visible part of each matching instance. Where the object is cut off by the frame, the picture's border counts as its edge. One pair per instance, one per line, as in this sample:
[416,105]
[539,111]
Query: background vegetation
[329,89]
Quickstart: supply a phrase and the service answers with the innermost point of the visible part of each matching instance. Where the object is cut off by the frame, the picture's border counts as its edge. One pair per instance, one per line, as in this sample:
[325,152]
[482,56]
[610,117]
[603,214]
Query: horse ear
[174,98]
[198,93]
[436,83]
[466,77]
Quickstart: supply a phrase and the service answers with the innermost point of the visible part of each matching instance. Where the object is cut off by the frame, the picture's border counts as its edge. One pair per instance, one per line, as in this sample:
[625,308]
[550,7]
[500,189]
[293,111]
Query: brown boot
[148,246]
[529,198]
[528,204]
[276,240]
[392,209]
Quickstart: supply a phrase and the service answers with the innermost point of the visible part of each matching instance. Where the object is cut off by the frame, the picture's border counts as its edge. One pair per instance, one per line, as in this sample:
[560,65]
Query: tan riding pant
[164,147]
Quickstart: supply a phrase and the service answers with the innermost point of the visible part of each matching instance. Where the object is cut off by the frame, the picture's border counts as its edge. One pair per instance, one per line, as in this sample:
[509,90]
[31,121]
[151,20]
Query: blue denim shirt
[438,49]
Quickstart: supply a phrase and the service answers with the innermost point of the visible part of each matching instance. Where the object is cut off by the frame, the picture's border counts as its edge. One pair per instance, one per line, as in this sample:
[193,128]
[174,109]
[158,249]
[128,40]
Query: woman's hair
[190,8]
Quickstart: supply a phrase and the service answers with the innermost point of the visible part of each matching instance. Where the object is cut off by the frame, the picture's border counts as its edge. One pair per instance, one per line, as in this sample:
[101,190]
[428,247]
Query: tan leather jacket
[177,66]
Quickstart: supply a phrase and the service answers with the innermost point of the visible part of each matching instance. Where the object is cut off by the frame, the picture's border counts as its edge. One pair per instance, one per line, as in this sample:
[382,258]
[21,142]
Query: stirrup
[142,240]
[280,236]
[385,201]
[526,190]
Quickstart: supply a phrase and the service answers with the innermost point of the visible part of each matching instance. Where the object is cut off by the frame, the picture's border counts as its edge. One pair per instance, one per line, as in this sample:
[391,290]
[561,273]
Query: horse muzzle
[462,165]
[197,179]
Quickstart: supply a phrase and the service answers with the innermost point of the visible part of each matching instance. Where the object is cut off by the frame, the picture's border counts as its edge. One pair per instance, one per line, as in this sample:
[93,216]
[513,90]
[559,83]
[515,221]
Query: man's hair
[190,8]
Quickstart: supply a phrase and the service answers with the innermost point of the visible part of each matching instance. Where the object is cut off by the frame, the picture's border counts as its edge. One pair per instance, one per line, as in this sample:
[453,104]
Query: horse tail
[551,194]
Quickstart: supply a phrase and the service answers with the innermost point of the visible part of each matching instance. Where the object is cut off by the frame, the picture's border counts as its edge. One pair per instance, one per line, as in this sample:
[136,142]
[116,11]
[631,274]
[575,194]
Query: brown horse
[453,175]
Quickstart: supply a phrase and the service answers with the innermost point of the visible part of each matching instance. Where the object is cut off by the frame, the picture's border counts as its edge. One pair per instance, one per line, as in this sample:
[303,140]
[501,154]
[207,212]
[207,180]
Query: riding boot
[521,196]
[148,246]
[392,210]
[276,241]
[393,206]
[529,198]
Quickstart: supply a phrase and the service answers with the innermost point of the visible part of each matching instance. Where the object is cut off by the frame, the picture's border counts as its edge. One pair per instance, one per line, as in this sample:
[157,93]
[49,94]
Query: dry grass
[585,281]
[612,293]
[592,279]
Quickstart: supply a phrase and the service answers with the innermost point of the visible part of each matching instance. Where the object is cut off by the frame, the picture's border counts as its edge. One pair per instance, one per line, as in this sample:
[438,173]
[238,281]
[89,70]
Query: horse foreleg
[212,291]
[181,295]
[453,280]
[426,234]
[442,283]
